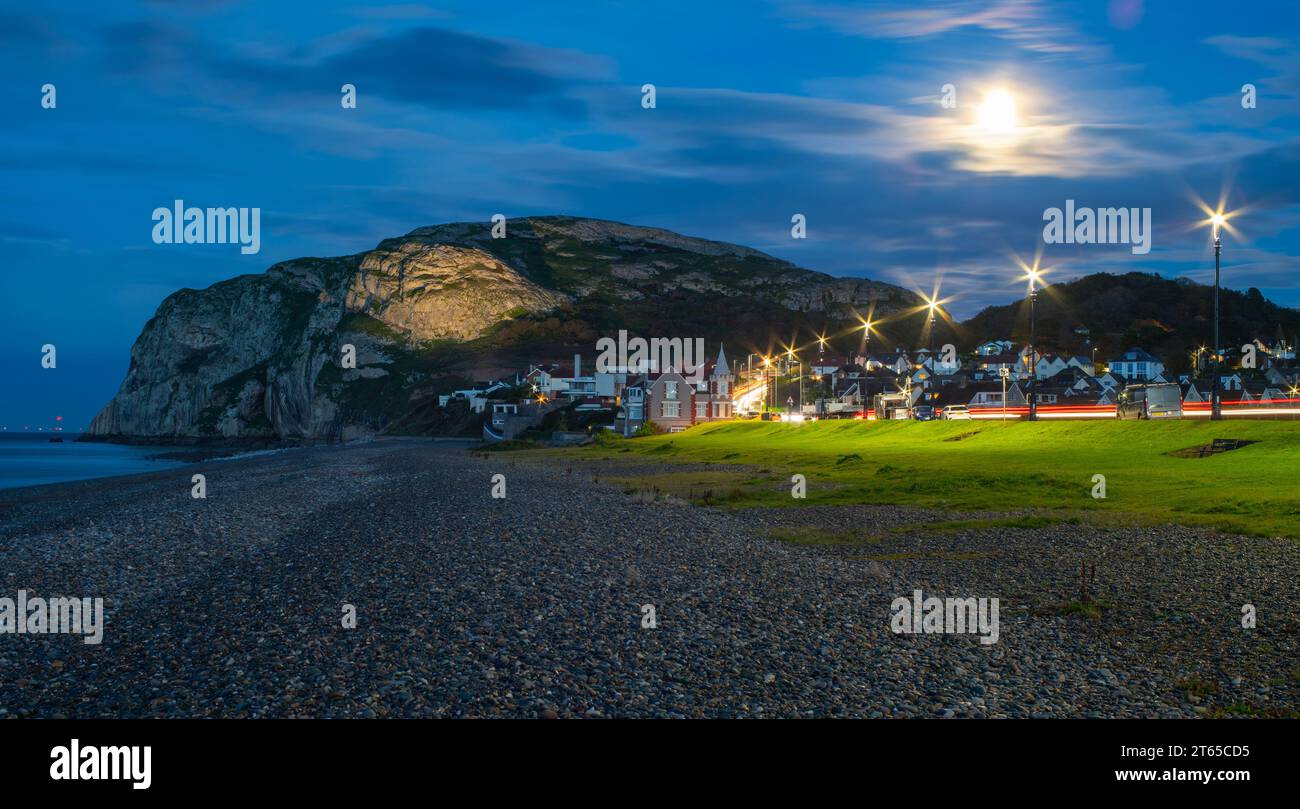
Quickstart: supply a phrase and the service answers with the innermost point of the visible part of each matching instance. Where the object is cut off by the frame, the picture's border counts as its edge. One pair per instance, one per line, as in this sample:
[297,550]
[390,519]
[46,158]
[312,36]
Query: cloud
[437,68]
[1024,23]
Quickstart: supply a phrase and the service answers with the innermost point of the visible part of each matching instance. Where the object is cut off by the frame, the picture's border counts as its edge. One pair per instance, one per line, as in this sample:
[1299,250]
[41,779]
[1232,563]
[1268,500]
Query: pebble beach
[533,605]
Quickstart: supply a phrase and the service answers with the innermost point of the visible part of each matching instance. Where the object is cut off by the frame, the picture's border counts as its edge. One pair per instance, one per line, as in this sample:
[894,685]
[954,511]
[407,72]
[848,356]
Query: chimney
[577,365]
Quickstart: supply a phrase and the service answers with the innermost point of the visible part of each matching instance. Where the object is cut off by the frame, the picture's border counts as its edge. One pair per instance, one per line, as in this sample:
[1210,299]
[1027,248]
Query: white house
[1083,364]
[477,396]
[1136,364]
[994,347]
[1049,365]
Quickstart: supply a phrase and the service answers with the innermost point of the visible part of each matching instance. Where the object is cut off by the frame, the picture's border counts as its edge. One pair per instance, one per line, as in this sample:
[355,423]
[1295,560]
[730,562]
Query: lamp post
[767,375]
[867,326]
[1033,275]
[1216,408]
[791,360]
[866,362]
[929,377]
[749,373]
[1004,372]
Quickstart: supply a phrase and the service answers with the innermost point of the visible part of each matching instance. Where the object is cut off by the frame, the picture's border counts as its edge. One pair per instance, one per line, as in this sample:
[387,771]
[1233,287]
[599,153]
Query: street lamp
[1216,407]
[1004,372]
[933,305]
[1034,275]
[867,326]
[791,359]
[767,376]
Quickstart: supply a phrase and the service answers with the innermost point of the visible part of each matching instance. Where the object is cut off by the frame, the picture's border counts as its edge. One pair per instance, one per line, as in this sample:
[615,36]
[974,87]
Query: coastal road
[532,605]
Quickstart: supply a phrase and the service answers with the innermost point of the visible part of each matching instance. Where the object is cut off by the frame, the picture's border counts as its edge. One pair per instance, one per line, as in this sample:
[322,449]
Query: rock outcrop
[260,355]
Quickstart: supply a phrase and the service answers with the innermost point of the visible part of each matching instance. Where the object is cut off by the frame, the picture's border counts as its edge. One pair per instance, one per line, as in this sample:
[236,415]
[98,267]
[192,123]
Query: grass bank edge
[1044,468]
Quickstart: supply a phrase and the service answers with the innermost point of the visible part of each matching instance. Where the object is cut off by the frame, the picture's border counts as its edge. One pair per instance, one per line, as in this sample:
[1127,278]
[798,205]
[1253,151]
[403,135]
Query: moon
[998,112]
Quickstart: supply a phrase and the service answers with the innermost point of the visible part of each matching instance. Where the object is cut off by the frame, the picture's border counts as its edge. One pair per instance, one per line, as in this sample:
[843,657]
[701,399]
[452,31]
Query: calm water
[31,460]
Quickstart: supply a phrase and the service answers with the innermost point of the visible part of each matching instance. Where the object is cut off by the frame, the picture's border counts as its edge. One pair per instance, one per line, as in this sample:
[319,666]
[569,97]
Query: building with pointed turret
[673,402]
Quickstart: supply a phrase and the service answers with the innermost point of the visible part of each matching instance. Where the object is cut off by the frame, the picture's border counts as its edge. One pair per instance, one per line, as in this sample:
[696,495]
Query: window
[701,410]
[722,386]
[671,410]
[670,390]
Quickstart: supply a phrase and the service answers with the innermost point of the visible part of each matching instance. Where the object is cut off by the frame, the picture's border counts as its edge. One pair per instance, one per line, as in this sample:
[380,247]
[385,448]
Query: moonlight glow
[998,112]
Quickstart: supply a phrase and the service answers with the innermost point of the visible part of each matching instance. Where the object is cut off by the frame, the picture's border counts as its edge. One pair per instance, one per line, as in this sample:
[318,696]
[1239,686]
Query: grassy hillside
[1044,466]
[1167,317]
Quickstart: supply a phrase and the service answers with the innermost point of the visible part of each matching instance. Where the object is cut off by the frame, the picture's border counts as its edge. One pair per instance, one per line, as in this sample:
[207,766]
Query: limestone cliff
[259,355]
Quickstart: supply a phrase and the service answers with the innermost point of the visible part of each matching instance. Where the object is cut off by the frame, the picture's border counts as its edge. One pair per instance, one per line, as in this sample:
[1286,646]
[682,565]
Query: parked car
[1160,401]
[923,413]
[956,412]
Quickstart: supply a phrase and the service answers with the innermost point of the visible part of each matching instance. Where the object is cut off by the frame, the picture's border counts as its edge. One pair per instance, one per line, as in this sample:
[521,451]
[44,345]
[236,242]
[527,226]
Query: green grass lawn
[993,466]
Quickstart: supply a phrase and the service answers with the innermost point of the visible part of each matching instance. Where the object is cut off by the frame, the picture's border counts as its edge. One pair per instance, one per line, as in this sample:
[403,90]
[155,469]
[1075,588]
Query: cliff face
[260,355]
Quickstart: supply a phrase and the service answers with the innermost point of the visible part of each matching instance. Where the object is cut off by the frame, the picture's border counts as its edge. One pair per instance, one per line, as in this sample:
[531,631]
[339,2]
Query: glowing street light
[1217,221]
[1034,275]
[867,326]
[932,304]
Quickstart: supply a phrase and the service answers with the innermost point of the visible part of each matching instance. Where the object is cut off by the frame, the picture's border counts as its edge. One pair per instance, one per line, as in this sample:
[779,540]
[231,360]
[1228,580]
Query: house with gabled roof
[1083,363]
[991,348]
[990,366]
[989,394]
[713,392]
[827,365]
[674,402]
[1048,366]
[1109,381]
[898,362]
[1136,364]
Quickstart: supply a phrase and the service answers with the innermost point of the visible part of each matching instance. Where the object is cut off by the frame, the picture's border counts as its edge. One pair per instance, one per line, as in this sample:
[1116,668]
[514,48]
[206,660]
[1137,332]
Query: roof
[1135,355]
[1005,358]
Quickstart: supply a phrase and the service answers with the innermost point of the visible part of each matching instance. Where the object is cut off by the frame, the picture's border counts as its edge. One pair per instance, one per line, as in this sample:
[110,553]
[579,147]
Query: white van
[1162,401]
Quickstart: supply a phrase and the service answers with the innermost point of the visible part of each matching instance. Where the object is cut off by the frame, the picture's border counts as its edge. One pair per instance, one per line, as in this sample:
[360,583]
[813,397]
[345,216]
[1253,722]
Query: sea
[31,459]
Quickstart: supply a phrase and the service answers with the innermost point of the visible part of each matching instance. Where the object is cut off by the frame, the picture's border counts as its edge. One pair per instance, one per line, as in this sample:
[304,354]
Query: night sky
[764,110]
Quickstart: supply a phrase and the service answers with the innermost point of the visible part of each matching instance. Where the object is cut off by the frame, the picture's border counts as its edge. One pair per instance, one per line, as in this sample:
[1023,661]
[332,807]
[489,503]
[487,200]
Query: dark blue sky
[764,109]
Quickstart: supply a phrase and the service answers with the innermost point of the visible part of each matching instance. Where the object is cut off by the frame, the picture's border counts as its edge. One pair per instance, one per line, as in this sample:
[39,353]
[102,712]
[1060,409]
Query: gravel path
[532,605]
